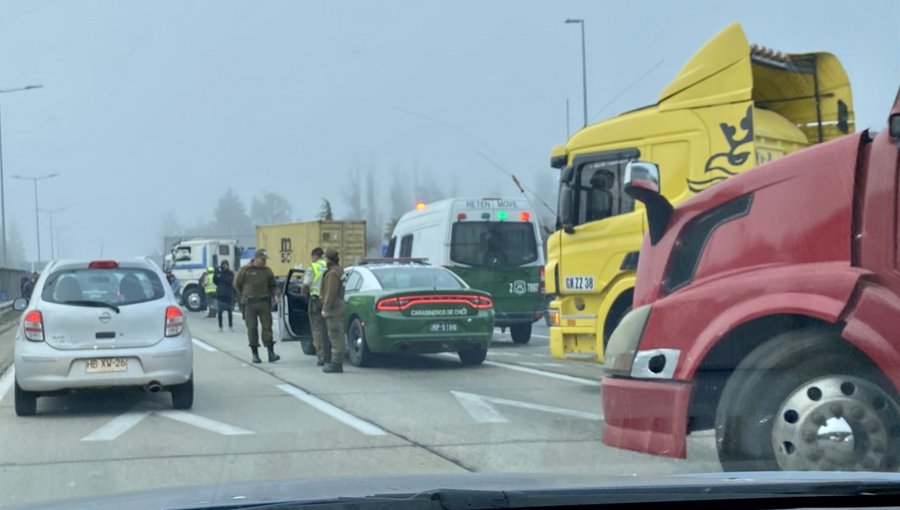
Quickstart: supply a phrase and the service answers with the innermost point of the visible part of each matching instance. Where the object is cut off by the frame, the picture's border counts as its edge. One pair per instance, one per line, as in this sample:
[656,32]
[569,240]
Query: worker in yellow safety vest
[209,288]
[312,287]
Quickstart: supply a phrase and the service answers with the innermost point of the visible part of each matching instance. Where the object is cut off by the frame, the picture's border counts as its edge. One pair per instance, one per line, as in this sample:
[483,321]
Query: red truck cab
[768,309]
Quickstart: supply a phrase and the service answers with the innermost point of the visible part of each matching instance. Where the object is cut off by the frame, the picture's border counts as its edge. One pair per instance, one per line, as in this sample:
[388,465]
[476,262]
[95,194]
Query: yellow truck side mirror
[642,184]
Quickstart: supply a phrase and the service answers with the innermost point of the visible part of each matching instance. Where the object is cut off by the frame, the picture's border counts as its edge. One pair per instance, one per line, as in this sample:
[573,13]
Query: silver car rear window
[120,286]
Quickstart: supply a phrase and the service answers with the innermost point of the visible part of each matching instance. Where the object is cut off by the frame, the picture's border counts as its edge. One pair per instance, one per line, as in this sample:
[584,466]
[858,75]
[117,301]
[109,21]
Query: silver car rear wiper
[96,304]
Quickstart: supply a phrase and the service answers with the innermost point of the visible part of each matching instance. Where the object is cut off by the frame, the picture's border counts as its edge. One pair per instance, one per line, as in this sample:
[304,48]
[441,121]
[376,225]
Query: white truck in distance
[188,261]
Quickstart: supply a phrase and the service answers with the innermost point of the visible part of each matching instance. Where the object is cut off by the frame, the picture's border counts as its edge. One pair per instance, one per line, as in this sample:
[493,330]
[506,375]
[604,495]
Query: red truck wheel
[807,401]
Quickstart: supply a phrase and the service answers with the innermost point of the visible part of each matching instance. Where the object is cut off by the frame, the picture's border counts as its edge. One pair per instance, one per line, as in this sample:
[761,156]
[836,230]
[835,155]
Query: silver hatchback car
[100,324]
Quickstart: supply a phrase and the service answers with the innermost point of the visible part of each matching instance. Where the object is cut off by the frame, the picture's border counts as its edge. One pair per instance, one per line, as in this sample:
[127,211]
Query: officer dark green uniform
[312,287]
[333,311]
[255,284]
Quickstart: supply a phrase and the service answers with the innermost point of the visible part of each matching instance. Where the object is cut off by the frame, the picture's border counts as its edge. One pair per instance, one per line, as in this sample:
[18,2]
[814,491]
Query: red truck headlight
[625,340]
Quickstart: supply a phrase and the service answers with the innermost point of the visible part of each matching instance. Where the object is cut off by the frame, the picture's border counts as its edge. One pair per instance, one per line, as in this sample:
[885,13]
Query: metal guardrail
[7,312]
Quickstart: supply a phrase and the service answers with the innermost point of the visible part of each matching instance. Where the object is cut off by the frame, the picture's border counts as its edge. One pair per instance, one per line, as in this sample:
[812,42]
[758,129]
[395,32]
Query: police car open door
[292,314]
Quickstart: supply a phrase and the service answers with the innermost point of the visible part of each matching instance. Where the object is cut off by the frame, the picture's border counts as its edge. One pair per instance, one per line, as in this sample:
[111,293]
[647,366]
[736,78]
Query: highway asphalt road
[521,412]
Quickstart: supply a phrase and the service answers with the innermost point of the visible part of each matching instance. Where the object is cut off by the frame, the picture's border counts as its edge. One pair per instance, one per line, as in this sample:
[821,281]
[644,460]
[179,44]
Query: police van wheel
[521,333]
[357,350]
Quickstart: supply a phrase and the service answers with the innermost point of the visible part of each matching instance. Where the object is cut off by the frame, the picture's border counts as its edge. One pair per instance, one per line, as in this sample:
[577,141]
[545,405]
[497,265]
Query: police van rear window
[493,244]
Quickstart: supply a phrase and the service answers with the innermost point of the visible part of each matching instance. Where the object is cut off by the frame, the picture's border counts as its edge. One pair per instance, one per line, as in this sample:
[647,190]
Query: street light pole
[2,180]
[583,67]
[50,213]
[37,220]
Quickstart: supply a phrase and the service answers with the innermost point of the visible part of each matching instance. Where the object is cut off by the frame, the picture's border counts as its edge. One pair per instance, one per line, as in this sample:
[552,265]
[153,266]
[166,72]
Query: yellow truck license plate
[100,365]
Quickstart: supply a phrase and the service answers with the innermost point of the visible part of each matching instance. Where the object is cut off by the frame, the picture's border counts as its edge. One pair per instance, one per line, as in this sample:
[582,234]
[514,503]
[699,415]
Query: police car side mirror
[20,304]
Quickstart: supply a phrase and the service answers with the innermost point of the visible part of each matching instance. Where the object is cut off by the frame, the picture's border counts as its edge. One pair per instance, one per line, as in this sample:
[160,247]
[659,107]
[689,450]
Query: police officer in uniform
[333,311]
[255,283]
[312,288]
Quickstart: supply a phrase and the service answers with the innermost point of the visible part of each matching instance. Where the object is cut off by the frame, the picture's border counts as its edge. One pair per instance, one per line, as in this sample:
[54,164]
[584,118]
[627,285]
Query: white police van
[494,244]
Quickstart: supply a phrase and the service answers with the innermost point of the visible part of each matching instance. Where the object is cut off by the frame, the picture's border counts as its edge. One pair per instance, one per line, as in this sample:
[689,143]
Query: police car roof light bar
[396,260]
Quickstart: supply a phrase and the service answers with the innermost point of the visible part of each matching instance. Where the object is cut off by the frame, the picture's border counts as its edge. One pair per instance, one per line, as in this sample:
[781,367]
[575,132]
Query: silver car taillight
[33,324]
[174,321]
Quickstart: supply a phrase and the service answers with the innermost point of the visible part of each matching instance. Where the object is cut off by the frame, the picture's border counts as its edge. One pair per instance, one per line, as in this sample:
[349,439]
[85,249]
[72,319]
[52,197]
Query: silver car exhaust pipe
[153,387]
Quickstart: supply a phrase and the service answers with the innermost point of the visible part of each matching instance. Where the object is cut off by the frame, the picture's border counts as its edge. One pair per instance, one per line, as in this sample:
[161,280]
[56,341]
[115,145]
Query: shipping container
[289,244]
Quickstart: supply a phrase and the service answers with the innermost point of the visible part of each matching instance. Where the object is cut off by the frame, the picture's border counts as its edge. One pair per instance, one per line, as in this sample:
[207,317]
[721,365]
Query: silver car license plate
[100,365]
[444,326]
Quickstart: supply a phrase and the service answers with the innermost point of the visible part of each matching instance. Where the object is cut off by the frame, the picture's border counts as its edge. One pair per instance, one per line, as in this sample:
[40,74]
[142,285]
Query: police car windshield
[392,278]
[484,243]
[123,286]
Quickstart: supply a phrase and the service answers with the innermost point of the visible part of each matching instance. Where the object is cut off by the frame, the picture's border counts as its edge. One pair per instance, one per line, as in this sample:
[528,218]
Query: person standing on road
[208,282]
[224,280]
[28,287]
[312,288]
[255,283]
[333,311]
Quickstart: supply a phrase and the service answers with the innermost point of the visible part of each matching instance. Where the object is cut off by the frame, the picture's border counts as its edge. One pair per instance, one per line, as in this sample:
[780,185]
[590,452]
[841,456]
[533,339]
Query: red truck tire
[806,400]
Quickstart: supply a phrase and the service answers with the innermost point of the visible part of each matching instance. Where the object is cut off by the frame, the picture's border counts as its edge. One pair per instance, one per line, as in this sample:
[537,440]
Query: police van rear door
[495,247]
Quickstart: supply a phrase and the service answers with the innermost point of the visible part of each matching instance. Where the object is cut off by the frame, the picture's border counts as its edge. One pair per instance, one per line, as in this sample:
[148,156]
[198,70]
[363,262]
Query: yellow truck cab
[733,106]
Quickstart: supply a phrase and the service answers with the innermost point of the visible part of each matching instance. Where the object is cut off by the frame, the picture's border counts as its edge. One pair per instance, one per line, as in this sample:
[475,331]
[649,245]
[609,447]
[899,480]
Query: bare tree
[389,228]
[353,194]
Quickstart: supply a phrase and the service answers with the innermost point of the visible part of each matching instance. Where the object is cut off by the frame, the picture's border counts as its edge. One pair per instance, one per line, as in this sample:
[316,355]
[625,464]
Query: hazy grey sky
[160,106]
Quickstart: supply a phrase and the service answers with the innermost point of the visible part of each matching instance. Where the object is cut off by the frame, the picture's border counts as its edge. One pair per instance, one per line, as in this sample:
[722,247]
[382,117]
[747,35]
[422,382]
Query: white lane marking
[116,427]
[203,345]
[544,373]
[481,408]
[204,423]
[504,353]
[541,364]
[532,371]
[6,381]
[337,413]
[546,337]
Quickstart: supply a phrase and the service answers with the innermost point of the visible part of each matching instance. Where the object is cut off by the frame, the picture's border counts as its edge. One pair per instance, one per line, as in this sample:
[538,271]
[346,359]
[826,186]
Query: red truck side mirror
[642,184]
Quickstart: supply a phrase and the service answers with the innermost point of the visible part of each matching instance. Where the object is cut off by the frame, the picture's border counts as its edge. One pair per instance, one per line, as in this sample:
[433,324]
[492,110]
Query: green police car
[409,306]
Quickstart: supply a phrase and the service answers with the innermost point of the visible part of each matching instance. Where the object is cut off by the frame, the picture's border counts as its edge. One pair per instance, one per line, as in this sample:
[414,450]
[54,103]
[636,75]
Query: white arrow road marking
[335,412]
[6,381]
[203,423]
[482,408]
[532,371]
[478,408]
[116,427]
[203,345]
[125,422]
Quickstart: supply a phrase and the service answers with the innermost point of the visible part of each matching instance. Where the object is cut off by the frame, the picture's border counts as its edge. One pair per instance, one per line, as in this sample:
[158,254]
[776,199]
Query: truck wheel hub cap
[836,423]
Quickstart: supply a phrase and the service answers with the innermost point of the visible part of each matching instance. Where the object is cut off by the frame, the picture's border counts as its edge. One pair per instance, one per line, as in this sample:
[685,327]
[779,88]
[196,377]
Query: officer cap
[331,254]
[262,254]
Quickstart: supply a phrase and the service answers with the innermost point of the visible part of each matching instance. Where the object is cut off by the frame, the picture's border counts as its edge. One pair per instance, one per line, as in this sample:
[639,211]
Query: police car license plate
[444,326]
[101,365]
